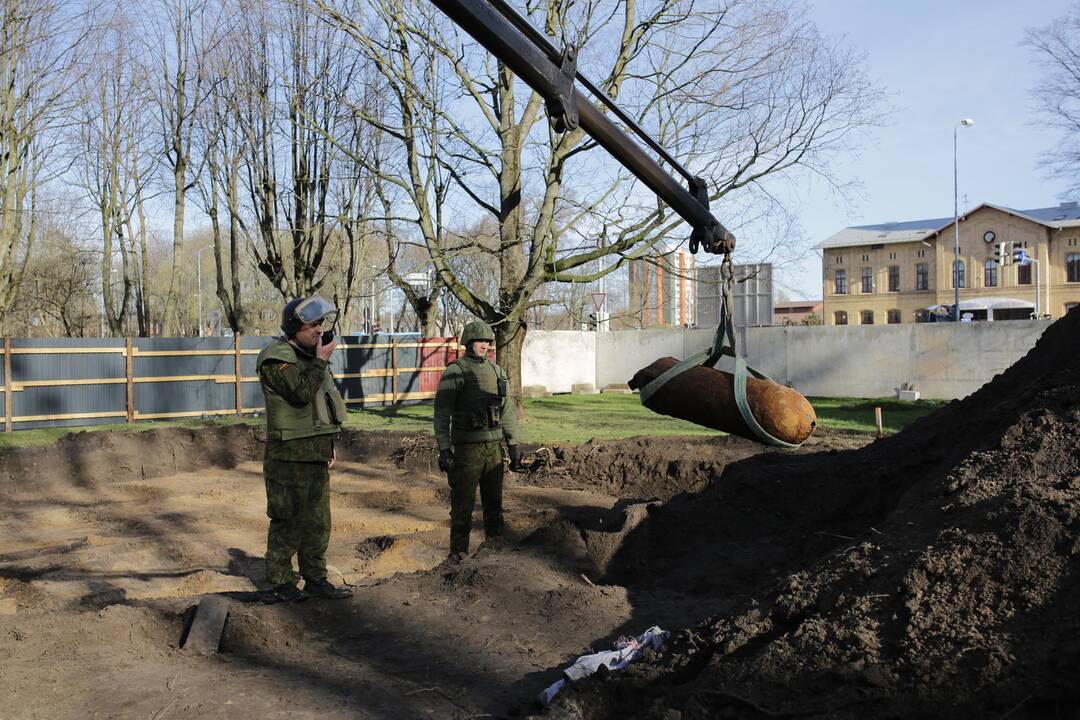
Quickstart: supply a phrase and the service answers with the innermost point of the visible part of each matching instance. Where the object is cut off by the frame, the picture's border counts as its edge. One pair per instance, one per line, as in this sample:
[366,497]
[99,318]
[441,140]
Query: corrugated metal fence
[63,382]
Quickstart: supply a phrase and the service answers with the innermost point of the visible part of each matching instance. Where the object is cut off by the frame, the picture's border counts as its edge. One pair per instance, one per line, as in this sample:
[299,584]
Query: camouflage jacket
[298,386]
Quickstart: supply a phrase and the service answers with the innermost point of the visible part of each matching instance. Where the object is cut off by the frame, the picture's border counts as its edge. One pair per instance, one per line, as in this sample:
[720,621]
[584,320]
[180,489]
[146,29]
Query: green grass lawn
[858,413]
[578,418]
[562,418]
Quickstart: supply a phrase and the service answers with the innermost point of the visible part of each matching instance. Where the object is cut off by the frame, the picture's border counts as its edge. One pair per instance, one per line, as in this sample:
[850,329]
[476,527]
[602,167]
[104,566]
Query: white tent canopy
[990,304]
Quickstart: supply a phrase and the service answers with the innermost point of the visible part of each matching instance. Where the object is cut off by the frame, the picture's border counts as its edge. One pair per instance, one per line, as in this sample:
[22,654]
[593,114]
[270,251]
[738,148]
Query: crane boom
[552,73]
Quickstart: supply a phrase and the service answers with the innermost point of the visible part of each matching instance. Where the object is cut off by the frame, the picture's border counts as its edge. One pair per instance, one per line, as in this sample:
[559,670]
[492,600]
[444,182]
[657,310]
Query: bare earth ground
[108,540]
[931,574]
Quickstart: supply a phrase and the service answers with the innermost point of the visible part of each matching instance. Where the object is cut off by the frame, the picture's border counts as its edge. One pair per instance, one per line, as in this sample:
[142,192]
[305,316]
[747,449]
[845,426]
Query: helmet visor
[316,309]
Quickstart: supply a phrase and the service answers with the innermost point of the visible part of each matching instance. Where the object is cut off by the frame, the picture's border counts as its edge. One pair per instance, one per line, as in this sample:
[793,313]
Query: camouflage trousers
[475,464]
[298,505]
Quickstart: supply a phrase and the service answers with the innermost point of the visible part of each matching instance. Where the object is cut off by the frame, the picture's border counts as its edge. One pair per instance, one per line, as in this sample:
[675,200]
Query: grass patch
[578,418]
[858,413]
[557,419]
[561,418]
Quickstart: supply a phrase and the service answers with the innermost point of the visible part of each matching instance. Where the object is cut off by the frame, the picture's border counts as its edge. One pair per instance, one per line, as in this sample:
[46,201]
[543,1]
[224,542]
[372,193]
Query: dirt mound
[87,459]
[646,468]
[931,574]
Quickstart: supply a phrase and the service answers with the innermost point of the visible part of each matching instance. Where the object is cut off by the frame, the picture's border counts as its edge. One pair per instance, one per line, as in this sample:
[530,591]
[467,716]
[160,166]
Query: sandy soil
[109,539]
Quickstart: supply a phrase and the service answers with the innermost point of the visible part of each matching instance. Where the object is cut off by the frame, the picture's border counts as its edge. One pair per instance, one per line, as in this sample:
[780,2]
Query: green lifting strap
[723,344]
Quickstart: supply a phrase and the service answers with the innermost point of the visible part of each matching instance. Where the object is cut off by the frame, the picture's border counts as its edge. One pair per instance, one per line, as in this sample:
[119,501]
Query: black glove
[446,460]
[515,458]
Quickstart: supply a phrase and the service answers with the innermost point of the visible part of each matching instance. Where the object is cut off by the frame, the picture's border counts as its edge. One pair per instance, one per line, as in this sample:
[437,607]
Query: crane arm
[552,73]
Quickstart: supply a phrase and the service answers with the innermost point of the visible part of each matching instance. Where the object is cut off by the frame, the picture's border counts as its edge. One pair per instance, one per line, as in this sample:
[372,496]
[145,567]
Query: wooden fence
[78,382]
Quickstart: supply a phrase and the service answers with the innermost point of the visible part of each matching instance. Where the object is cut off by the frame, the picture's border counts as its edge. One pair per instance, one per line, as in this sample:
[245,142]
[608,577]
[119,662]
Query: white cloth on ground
[626,651]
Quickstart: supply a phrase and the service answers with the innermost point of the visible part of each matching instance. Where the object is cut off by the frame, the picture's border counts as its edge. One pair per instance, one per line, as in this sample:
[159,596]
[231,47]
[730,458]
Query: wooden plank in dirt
[204,636]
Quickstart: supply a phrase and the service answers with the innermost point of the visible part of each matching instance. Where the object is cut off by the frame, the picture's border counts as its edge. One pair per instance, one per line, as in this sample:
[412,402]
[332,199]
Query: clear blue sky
[941,61]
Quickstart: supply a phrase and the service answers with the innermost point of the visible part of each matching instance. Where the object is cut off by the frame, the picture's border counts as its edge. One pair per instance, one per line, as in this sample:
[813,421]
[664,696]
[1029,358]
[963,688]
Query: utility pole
[966,122]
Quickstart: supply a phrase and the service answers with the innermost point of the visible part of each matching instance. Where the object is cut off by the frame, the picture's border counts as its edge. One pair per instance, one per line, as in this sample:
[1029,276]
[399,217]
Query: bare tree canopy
[39,40]
[354,146]
[1056,48]
[744,93]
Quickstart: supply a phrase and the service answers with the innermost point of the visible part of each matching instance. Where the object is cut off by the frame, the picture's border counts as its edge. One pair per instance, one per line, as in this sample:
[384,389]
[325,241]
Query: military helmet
[300,311]
[476,330]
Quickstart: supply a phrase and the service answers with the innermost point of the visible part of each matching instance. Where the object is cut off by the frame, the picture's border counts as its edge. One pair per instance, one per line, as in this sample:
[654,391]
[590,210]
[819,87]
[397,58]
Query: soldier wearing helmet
[304,411]
[474,413]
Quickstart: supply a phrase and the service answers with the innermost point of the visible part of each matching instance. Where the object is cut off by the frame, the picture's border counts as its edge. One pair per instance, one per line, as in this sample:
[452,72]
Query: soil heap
[935,573]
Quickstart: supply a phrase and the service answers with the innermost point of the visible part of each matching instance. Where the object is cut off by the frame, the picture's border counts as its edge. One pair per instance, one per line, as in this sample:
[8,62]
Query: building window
[866,317]
[892,317]
[990,273]
[1023,274]
[840,317]
[1072,267]
[958,274]
[894,278]
[922,276]
[841,282]
[867,280]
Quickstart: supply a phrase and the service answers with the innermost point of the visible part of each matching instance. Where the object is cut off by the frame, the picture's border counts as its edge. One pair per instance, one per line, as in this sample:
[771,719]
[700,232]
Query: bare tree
[39,41]
[222,147]
[113,163]
[181,36]
[1056,48]
[739,91]
[58,294]
[306,198]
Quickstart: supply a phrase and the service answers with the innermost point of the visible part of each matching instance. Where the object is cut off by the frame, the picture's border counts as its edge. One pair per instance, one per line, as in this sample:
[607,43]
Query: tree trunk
[176,281]
[509,343]
[427,313]
[145,327]
[237,316]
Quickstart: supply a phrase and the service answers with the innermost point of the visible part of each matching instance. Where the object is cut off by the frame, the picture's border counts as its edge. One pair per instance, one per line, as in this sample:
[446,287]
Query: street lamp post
[198,262]
[966,122]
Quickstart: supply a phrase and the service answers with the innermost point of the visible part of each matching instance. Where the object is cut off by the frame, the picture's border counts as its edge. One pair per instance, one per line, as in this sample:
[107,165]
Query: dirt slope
[930,574]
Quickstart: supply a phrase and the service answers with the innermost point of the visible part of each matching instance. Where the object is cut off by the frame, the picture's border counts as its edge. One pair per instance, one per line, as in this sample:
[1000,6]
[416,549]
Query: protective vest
[479,404]
[284,421]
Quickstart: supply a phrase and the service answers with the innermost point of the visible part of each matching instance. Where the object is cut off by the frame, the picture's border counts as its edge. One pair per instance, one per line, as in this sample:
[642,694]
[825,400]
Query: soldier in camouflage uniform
[473,414]
[304,411]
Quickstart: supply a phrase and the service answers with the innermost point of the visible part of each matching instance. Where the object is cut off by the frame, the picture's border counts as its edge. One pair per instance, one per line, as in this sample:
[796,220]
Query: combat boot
[324,589]
[286,592]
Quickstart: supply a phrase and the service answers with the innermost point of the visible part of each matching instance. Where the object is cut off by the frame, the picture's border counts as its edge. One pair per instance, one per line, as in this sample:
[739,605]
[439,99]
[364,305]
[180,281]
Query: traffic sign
[417,279]
[598,299]
[1020,256]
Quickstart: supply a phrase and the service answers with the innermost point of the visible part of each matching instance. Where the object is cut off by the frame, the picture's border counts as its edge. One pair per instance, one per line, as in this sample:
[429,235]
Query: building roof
[1059,216]
[796,306]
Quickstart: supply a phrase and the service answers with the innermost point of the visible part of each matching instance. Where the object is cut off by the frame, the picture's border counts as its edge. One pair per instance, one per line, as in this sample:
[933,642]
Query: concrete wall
[940,360]
[558,359]
[621,354]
